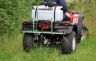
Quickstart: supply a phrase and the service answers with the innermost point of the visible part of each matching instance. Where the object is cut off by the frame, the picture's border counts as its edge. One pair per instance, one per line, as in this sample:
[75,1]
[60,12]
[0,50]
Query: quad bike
[50,25]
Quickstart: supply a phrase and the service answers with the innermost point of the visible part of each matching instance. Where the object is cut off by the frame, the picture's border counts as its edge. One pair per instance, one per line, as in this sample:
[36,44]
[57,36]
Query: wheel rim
[73,44]
[84,35]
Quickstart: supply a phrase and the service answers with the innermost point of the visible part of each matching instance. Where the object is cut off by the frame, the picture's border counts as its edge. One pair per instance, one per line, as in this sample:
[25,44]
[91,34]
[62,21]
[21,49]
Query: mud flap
[79,28]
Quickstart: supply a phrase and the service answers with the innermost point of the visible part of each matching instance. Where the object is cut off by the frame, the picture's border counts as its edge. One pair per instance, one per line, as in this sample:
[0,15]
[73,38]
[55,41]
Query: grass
[11,50]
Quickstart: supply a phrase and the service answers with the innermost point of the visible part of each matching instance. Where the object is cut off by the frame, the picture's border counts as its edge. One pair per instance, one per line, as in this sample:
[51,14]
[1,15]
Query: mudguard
[79,27]
[77,20]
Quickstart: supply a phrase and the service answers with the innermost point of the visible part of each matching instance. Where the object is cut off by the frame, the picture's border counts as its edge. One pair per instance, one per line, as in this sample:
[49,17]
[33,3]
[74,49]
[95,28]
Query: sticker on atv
[75,18]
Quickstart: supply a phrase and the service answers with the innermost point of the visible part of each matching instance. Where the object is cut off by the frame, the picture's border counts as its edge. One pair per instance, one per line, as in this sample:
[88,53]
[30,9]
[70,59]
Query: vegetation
[14,12]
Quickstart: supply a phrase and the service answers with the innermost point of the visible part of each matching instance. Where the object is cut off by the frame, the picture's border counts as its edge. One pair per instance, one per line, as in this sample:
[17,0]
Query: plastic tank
[47,13]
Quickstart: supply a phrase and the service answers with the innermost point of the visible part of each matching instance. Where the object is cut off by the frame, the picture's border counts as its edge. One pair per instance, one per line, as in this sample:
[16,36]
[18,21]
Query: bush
[13,12]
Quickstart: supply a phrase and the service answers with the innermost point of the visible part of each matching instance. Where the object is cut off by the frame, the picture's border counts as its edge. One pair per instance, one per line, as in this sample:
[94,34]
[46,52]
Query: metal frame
[44,32]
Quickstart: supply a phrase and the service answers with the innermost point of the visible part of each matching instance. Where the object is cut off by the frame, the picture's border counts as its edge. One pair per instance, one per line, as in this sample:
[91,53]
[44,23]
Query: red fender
[73,17]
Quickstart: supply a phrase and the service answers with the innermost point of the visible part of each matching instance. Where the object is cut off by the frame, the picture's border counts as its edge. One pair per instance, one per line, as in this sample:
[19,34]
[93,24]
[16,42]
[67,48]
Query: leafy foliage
[13,12]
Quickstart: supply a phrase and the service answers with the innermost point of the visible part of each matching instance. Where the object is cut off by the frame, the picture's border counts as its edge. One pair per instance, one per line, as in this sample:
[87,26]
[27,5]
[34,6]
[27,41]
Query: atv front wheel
[84,34]
[68,43]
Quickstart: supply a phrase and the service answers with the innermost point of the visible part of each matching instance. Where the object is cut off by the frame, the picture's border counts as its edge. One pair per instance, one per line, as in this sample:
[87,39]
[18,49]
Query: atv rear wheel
[28,42]
[68,43]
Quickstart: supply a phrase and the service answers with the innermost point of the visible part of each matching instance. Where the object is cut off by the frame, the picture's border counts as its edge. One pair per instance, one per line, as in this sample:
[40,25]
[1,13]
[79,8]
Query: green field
[11,48]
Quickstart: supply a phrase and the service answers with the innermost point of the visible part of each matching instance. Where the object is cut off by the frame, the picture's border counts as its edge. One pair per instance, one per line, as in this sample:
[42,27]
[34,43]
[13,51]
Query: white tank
[47,13]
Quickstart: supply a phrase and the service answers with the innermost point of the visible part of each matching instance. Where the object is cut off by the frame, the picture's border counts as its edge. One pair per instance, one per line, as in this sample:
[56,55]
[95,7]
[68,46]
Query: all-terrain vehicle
[50,25]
